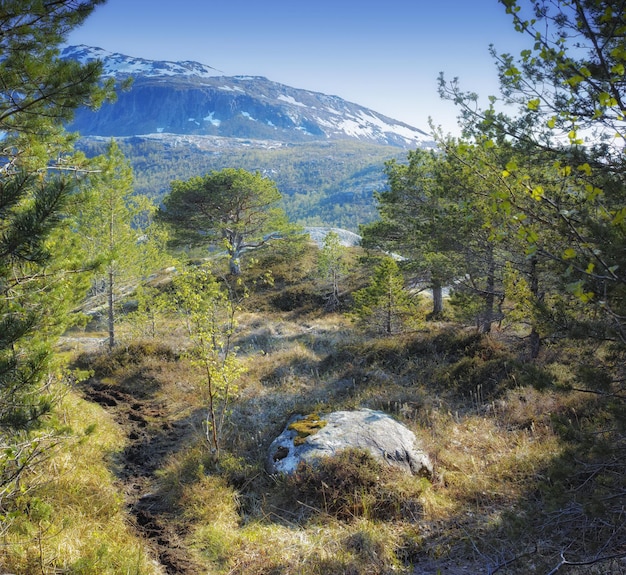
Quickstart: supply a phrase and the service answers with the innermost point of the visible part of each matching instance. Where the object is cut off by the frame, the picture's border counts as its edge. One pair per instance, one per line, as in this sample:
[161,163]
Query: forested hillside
[323,183]
[154,345]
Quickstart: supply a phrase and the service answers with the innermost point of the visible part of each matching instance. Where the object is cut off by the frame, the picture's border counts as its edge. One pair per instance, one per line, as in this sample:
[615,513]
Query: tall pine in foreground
[40,277]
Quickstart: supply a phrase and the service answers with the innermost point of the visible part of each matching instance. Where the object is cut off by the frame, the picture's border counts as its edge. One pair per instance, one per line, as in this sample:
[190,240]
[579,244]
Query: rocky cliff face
[189,98]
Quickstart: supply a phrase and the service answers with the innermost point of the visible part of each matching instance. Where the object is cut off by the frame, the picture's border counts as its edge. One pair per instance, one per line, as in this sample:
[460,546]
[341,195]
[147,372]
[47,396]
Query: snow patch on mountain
[204,102]
[118,65]
[291,100]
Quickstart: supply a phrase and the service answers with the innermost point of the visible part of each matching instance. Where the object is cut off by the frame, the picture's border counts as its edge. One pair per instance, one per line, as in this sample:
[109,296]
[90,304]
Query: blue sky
[382,54]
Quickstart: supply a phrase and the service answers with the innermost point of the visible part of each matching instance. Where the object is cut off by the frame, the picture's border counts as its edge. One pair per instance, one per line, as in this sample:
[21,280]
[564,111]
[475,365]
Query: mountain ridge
[194,99]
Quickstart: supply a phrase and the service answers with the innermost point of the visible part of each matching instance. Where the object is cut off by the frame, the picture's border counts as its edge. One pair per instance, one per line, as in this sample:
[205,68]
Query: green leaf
[537,193]
[605,99]
[511,166]
[619,217]
[574,81]
[534,104]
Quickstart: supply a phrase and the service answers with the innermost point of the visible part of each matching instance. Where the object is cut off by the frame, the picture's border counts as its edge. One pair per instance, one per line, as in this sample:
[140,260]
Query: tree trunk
[535,338]
[437,299]
[111,315]
[490,295]
[389,318]
[332,299]
[235,244]
[234,265]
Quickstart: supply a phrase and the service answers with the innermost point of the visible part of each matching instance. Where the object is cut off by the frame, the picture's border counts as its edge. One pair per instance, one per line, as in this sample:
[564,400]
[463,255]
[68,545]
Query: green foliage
[467,306]
[561,192]
[415,222]
[321,184]
[40,264]
[332,267]
[118,231]
[545,437]
[385,306]
[232,210]
[209,310]
[42,91]
[148,319]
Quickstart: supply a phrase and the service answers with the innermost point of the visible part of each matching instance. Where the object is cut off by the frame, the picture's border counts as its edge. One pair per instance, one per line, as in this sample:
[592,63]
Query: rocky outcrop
[307,438]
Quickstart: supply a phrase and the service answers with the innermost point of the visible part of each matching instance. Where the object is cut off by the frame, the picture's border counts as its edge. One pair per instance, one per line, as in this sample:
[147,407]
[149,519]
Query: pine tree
[385,306]
[118,231]
[563,112]
[417,224]
[333,267]
[40,277]
[230,209]
[561,195]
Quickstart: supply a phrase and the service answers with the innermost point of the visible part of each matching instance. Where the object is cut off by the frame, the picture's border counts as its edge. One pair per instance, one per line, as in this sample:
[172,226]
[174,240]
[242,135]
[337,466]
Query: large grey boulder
[309,438]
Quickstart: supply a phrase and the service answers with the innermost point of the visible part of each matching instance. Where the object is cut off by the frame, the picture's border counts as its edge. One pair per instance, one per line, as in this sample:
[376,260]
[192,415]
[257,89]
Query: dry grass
[76,522]
[499,431]
[492,447]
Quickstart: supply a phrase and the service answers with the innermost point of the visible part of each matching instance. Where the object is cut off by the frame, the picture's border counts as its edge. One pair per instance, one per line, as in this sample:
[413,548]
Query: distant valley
[180,119]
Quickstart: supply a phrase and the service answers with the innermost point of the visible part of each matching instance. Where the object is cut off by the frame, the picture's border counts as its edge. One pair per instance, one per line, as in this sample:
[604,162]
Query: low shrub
[107,363]
[298,298]
[353,484]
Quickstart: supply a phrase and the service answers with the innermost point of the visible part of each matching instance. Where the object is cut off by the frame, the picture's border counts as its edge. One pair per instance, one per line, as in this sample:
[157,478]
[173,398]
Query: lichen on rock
[305,427]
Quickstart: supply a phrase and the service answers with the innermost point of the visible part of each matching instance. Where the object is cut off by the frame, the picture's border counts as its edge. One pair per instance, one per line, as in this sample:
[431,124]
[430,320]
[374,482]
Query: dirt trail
[152,436]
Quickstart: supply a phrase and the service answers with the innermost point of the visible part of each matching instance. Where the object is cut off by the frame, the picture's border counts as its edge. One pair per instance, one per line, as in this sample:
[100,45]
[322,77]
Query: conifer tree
[118,230]
[333,267]
[561,105]
[416,224]
[230,209]
[385,306]
[39,263]
[561,194]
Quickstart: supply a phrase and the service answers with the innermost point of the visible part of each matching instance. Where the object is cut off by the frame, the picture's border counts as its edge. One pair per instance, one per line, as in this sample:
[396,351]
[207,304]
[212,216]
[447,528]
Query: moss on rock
[307,426]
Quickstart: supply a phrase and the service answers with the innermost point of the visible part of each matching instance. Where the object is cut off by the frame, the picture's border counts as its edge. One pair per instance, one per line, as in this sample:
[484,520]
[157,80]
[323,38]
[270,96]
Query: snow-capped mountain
[119,65]
[194,99]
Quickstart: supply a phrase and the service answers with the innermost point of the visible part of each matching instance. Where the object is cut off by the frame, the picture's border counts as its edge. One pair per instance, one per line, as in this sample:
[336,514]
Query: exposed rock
[311,437]
[346,238]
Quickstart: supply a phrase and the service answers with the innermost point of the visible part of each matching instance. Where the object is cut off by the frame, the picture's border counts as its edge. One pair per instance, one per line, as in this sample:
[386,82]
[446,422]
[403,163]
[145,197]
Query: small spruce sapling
[384,306]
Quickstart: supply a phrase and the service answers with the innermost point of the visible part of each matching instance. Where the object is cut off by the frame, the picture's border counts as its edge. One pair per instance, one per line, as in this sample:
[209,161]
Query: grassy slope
[518,477]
